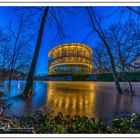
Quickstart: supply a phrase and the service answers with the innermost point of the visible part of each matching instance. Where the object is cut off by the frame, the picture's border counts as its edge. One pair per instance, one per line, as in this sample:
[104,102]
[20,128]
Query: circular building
[72,58]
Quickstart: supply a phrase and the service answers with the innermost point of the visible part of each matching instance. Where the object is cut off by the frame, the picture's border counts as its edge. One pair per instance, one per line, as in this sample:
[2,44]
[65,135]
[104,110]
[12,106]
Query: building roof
[68,44]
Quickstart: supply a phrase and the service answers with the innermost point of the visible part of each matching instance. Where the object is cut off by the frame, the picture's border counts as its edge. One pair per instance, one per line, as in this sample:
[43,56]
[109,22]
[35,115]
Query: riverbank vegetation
[40,122]
[107,77]
[133,76]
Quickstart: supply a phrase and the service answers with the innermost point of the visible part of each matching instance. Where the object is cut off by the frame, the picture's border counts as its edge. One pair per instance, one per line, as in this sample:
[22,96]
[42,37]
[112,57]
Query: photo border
[69,3]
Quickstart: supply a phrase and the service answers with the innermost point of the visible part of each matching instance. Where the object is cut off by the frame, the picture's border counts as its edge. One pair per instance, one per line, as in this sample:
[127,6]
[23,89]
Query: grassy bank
[64,124]
[108,77]
[133,76]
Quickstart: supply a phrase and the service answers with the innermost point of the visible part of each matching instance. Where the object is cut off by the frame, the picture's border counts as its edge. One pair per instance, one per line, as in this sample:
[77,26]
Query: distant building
[72,58]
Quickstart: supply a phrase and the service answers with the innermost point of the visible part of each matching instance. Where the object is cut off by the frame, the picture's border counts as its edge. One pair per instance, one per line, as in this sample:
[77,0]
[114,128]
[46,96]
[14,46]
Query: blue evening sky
[75,26]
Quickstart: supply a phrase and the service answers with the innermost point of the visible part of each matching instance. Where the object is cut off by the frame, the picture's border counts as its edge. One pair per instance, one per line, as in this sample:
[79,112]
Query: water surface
[92,99]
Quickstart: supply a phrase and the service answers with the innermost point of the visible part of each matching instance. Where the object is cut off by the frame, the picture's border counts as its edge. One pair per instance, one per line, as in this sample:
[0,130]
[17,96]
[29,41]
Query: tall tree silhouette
[29,84]
[98,29]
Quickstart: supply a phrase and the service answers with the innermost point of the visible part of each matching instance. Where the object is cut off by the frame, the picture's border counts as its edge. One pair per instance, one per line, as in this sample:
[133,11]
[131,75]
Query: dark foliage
[65,124]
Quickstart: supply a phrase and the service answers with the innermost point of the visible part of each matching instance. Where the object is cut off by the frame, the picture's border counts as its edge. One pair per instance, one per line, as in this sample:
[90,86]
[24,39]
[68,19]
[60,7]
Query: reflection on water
[71,98]
[74,98]
[19,106]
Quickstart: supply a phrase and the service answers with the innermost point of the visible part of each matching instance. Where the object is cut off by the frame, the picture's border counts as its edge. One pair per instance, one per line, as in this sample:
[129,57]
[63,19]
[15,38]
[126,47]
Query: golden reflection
[71,98]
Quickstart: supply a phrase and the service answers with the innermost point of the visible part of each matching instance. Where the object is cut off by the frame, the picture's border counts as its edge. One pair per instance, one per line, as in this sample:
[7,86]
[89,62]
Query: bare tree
[100,58]
[19,41]
[124,43]
[98,29]
[125,47]
[53,14]
[5,54]
[28,87]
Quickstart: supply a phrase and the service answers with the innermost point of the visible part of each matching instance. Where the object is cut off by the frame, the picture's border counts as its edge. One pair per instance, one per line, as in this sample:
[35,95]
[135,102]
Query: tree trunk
[116,79]
[101,35]
[129,82]
[10,79]
[29,84]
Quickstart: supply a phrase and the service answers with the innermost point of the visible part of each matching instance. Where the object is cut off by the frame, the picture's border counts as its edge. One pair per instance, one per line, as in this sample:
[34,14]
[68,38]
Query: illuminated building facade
[72,58]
